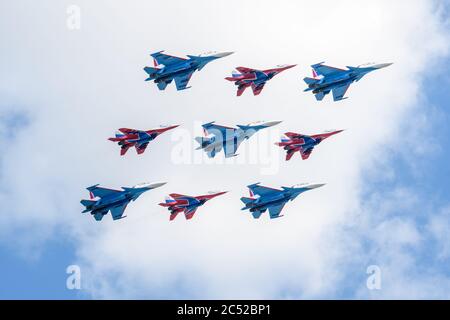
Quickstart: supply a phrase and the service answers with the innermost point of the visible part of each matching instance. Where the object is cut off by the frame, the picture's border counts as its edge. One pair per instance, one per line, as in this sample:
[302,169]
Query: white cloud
[79,86]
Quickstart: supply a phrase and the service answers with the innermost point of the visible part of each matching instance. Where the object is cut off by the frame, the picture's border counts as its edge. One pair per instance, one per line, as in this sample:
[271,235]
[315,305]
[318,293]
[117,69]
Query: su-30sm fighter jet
[104,199]
[296,142]
[127,138]
[167,68]
[326,79]
[265,198]
[247,77]
[177,203]
[218,137]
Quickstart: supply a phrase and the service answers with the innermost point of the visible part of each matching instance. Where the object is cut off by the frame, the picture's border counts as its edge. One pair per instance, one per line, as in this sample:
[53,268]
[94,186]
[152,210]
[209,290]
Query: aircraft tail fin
[119,134]
[168,202]
[234,76]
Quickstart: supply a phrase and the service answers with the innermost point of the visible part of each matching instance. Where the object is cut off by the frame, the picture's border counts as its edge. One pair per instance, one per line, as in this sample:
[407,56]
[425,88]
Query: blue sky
[386,202]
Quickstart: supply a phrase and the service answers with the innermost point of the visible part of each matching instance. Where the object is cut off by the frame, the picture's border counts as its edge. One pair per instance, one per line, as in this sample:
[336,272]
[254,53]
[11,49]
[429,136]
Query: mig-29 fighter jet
[247,77]
[177,203]
[218,137]
[326,79]
[127,138]
[302,143]
[167,68]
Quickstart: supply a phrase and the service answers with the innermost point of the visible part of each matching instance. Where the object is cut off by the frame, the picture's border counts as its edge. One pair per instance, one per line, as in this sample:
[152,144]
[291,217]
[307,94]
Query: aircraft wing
[275,211]
[339,92]
[101,192]
[293,135]
[230,147]
[305,153]
[140,147]
[177,197]
[128,130]
[245,70]
[262,191]
[189,213]
[166,59]
[219,131]
[117,212]
[258,88]
[324,70]
[182,81]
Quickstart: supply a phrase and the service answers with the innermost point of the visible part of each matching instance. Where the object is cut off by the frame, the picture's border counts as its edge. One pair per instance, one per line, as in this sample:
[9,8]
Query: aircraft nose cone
[223,54]
[156,185]
[315,186]
[272,123]
[290,66]
[382,65]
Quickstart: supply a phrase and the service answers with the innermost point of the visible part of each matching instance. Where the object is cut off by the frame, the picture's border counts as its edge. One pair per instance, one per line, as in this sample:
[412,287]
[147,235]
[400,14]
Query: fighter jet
[326,79]
[127,138]
[177,203]
[103,200]
[247,77]
[218,137]
[263,198]
[167,68]
[302,143]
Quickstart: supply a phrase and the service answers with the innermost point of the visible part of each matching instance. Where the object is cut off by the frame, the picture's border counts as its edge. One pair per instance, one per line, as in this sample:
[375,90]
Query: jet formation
[127,138]
[177,203]
[265,198]
[218,137]
[326,79]
[167,68]
[256,79]
[103,199]
[296,142]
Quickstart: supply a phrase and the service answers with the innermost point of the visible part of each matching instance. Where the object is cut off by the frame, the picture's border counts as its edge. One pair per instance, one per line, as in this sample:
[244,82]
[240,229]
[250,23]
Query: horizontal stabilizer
[319,96]
[162,85]
[246,200]
[310,80]
[165,204]
[256,214]
[88,203]
[98,216]
[151,70]
[203,142]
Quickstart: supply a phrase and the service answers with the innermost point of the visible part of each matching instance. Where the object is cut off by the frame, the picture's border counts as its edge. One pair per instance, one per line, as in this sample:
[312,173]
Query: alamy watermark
[374,280]
[73,21]
[73,281]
